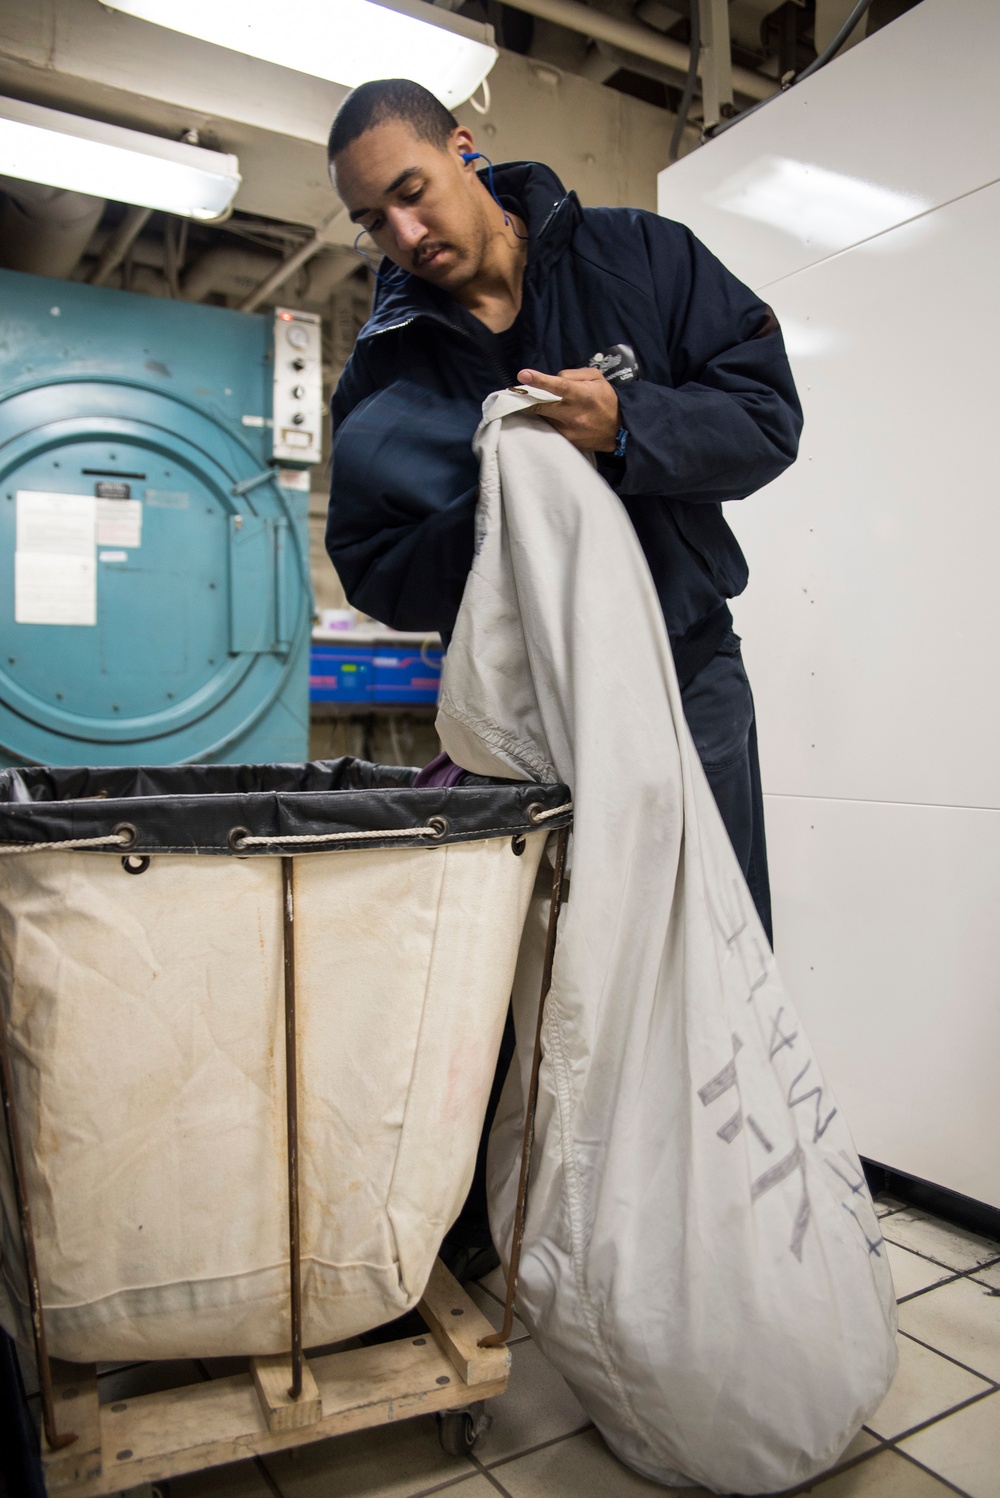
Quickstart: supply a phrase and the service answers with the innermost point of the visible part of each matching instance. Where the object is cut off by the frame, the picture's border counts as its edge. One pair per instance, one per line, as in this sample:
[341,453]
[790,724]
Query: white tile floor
[937,1432]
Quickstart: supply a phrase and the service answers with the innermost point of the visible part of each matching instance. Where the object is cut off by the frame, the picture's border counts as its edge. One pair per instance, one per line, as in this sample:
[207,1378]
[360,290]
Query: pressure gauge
[297,394]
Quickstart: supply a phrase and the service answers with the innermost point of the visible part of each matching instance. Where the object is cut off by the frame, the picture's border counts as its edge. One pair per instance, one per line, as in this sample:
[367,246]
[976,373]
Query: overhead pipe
[45,230]
[637,39]
[236,270]
[326,237]
[120,243]
[227,268]
[281,273]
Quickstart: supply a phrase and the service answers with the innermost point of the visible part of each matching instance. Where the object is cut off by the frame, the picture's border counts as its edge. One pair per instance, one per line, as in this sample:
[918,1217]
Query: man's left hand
[588,414]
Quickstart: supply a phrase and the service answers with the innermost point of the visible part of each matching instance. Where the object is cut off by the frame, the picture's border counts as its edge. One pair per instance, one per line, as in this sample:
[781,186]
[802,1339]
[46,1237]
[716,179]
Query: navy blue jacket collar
[530,189]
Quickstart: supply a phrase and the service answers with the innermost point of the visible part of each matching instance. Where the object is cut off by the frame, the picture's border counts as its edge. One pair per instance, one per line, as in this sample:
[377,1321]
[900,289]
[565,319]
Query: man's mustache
[425,251]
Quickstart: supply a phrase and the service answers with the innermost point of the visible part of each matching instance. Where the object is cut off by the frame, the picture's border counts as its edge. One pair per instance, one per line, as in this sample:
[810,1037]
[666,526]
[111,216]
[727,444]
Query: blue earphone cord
[467,156]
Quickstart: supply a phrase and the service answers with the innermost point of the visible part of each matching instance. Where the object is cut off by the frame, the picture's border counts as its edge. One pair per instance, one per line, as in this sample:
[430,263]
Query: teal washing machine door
[155,593]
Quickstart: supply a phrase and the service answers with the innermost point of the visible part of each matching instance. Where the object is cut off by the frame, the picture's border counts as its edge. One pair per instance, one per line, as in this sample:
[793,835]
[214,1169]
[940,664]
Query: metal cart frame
[89,1450]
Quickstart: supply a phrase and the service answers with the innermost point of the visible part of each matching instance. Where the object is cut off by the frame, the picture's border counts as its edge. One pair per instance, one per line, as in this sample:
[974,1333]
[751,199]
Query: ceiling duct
[45,230]
[641,40]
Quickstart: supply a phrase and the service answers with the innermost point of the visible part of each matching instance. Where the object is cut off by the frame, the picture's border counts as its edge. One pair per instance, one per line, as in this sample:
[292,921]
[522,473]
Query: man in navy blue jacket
[670,370]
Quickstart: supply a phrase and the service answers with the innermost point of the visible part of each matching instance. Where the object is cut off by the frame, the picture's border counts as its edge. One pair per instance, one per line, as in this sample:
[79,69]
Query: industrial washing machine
[155,604]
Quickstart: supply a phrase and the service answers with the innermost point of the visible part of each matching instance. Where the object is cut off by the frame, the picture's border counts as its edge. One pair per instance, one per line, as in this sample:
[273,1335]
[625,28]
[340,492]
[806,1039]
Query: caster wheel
[460,1430]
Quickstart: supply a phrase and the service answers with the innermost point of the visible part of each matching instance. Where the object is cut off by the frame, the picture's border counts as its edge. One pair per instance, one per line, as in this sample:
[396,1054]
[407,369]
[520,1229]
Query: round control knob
[298,363]
[298,418]
[299,392]
[297,336]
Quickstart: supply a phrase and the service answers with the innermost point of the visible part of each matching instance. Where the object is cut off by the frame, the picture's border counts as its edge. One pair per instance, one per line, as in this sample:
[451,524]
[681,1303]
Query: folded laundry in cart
[702,1261]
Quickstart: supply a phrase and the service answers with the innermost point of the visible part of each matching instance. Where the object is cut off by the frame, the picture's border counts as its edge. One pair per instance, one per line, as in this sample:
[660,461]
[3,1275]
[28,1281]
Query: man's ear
[462,144]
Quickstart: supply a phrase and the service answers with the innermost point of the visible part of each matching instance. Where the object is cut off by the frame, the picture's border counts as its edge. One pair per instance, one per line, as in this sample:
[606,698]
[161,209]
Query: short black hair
[371,104]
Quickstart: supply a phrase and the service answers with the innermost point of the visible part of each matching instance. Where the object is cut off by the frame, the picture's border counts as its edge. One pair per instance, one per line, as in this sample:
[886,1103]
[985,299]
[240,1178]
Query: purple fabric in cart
[442,770]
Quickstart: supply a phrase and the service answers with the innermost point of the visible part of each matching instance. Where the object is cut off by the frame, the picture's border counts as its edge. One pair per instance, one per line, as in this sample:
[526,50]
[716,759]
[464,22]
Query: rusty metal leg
[292,1113]
[56,1442]
[497,1339]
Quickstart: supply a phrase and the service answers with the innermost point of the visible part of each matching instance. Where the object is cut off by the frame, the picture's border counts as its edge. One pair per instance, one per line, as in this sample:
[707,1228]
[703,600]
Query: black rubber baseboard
[951,1206]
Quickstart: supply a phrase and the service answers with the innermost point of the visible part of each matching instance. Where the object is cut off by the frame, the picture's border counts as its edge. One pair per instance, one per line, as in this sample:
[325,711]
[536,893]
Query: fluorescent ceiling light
[344,41]
[65,150]
[814,205]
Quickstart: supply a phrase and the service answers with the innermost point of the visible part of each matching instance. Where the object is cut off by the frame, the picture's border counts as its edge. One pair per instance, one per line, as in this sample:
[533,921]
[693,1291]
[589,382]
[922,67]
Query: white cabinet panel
[903,122]
[870,619]
[886,925]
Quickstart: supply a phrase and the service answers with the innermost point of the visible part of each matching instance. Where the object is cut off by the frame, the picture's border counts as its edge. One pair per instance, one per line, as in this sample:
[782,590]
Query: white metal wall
[871,223]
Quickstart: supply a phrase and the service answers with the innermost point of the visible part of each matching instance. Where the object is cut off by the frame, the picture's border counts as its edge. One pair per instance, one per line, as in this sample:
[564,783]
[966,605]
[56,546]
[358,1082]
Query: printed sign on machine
[55,565]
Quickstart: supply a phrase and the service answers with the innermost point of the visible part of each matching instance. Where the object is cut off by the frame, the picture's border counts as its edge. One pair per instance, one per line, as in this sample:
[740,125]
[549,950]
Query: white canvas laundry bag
[702,1261]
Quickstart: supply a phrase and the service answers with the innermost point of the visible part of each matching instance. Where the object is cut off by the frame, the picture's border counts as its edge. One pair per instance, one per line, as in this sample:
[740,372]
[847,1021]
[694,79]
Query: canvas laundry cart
[249,1020]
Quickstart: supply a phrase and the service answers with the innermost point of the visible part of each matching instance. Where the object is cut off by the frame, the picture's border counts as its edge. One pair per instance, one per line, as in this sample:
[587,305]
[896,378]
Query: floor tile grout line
[837,1471]
[956,1274]
[450,1482]
[948,1358]
[488,1475]
[975,1269]
[515,1456]
[955,1409]
[931,1473]
[937,1285]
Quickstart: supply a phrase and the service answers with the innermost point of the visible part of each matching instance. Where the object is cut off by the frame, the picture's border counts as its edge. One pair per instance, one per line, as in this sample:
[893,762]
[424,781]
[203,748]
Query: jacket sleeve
[730,423]
[403,492]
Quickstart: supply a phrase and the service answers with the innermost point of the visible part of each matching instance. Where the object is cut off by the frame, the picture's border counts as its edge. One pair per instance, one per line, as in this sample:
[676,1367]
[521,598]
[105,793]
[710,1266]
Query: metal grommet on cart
[236,838]
[518,844]
[439,826]
[126,833]
[535,811]
[135,863]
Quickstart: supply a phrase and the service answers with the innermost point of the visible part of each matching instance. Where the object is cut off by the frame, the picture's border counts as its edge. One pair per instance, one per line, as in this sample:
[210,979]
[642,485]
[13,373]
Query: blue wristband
[620,441]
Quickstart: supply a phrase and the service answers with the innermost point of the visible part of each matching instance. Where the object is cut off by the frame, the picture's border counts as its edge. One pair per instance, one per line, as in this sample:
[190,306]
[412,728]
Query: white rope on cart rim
[436,828]
[558,811]
[113,839]
[335,837]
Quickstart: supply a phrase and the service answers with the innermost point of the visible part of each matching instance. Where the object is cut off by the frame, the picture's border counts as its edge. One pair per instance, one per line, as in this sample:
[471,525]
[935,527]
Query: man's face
[421,204]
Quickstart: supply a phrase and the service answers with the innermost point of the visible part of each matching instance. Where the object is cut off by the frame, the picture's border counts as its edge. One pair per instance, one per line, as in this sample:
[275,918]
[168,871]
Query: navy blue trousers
[718,705]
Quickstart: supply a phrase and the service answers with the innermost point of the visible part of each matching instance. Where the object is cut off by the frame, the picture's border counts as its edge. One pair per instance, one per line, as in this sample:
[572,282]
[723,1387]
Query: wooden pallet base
[156,1436]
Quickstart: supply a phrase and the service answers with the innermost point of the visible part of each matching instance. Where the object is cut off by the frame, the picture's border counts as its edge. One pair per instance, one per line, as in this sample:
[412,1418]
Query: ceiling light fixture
[344,41]
[106,161]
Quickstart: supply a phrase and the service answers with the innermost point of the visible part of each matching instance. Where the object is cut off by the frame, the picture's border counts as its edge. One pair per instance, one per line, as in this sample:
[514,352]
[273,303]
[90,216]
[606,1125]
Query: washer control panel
[298,386]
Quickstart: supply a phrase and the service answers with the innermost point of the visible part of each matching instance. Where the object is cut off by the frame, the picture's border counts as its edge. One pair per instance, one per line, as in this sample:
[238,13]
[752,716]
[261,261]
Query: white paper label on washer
[119,522]
[112,556]
[54,589]
[55,524]
[55,567]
